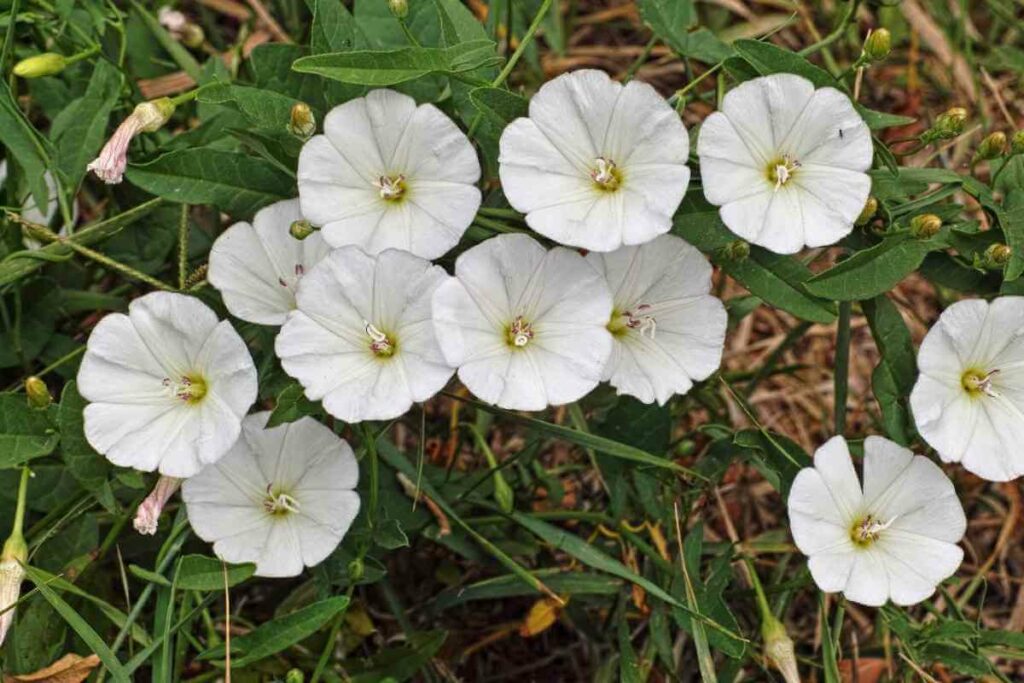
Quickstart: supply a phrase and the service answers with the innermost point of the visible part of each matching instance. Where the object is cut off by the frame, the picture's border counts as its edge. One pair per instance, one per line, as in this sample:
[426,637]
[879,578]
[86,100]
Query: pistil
[391,188]
[606,175]
[781,171]
[520,332]
[280,503]
[380,343]
[189,388]
[978,382]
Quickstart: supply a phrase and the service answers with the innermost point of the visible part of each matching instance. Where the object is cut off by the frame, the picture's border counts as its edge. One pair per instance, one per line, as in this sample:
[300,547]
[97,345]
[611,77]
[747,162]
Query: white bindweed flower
[526,327]
[257,266]
[361,339]
[597,164]
[894,540]
[168,385]
[786,163]
[968,402]
[282,498]
[388,174]
[668,330]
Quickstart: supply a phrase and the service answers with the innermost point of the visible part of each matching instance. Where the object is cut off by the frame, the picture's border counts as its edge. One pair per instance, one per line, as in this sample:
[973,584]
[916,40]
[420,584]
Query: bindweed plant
[511,340]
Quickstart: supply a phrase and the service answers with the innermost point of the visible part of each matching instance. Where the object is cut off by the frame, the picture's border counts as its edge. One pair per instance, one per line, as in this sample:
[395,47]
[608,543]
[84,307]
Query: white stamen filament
[784,171]
[520,332]
[282,502]
[379,342]
[390,188]
[292,282]
[983,383]
[605,175]
[185,389]
[870,529]
[640,321]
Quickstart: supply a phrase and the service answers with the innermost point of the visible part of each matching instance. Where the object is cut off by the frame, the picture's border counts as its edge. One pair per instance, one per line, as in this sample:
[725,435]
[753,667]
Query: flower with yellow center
[168,385]
[968,401]
[895,538]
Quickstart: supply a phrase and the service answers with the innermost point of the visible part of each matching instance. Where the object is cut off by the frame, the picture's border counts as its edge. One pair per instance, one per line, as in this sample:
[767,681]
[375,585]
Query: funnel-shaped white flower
[669,331]
[257,266]
[968,402]
[786,163]
[168,385]
[597,164]
[282,498]
[388,174]
[361,339]
[895,539]
[526,327]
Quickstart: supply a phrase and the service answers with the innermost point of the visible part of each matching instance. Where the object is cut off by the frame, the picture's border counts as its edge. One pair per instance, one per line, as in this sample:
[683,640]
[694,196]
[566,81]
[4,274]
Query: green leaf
[291,405]
[79,625]
[237,183]
[25,433]
[500,107]
[629,667]
[894,376]
[672,21]
[263,108]
[79,130]
[202,573]
[562,540]
[390,536]
[23,144]
[148,576]
[768,59]
[390,67]
[333,28]
[396,664]
[178,53]
[872,271]
[560,581]
[85,464]
[280,633]
[1012,221]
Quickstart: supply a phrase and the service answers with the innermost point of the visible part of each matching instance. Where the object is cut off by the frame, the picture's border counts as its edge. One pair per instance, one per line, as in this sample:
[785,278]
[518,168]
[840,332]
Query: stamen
[520,332]
[292,281]
[280,503]
[391,188]
[979,382]
[189,389]
[781,171]
[636,319]
[607,175]
[380,343]
[869,529]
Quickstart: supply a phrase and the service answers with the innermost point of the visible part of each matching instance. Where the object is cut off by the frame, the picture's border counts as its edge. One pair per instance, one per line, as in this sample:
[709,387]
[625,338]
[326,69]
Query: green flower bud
[878,45]
[295,676]
[399,8]
[991,147]
[778,649]
[38,394]
[300,230]
[996,256]
[1017,143]
[948,125]
[925,226]
[355,569]
[737,250]
[46,64]
[868,212]
[302,123]
[193,36]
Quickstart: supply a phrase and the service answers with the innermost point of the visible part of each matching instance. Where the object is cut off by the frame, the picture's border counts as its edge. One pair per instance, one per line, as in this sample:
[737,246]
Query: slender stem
[842,365]
[371,454]
[851,9]
[639,61]
[183,227]
[84,54]
[695,82]
[408,34]
[19,511]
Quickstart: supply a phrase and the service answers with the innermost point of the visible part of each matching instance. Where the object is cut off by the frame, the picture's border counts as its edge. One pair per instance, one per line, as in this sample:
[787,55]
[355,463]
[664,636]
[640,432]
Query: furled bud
[294,676]
[46,64]
[737,250]
[399,8]
[355,569]
[302,123]
[37,392]
[147,516]
[180,28]
[868,212]
[1017,143]
[300,230]
[778,649]
[154,114]
[878,45]
[991,147]
[147,117]
[925,226]
[12,573]
[948,125]
[996,257]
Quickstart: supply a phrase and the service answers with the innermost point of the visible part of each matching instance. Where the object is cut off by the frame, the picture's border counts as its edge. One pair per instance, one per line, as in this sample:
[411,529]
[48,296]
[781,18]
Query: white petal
[763,111]
[831,571]
[818,525]
[917,564]
[832,460]
[815,137]
[869,579]
[645,130]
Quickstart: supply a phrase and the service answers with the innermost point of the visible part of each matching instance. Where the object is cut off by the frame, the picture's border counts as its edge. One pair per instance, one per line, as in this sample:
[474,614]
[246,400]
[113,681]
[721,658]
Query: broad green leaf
[24,144]
[589,555]
[871,272]
[560,581]
[768,59]
[202,573]
[25,433]
[782,456]
[178,53]
[672,21]
[389,535]
[291,405]
[500,107]
[947,271]
[237,183]
[277,634]
[390,67]
[1012,221]
[85,464]
[148,576]
[396,664]
[263,108]
[79,130]
[79,626]
[333,28]
[894,376]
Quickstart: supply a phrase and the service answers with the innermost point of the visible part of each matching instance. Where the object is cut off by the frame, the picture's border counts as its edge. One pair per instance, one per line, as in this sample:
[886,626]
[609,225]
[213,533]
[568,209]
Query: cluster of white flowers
[369,326]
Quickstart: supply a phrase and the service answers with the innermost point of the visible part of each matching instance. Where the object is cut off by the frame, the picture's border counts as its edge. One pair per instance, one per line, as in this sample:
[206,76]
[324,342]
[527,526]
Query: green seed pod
[868,212]
[300,230]
[46,64]
[38,394]
[925,226]
[503,494]
[878,45]
[991,147]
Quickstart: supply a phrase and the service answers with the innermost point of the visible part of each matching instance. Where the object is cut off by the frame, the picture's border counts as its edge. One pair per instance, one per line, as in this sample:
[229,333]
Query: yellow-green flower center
[279,503]
[391,188]
[606,174]
[867,530]
[382,345]
[977,382]
[781,170]
[190,388]
[638,318]
[519,333]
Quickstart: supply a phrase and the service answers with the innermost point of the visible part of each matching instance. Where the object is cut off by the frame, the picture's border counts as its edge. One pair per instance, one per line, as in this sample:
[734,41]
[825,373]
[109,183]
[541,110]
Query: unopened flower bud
[991,147]
[925,226]
[295,676]
[180,28]
[878,45]
[300,230]
[12,573]
[868,212]
[147,516]
[778,649]
[948,125]
[737,250]
[996,257]
[399,8]
[38,394]
[355,569]
[193,36]
[46,64]
[1017,143]
[302,123]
